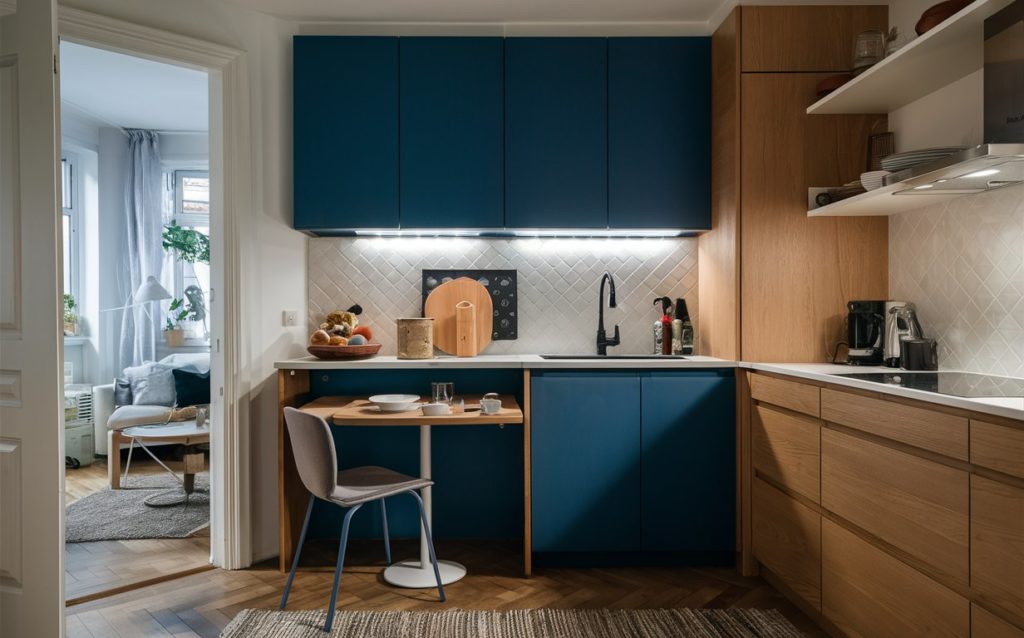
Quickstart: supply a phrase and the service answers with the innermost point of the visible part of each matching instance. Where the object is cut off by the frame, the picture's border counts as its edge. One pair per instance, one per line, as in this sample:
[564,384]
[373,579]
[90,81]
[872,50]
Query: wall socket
[289,318]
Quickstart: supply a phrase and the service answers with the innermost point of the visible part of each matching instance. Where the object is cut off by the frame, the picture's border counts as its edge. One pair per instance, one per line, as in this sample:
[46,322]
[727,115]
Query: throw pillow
[154,388]
[122,392]
[191,388]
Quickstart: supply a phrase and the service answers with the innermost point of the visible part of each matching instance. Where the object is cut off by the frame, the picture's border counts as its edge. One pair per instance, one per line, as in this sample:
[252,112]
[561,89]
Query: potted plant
[188,244]
[174,334]
[70,316]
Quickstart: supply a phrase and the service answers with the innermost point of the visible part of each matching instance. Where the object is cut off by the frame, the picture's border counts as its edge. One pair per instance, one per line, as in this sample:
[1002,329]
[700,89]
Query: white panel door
[31,406]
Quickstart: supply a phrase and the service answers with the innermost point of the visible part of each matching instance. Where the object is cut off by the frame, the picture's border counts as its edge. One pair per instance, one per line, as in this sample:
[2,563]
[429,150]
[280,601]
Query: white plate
[395,402]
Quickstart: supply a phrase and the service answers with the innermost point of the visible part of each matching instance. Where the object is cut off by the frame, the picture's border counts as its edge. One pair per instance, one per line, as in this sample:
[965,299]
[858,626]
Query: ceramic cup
[435,409]
[490,406]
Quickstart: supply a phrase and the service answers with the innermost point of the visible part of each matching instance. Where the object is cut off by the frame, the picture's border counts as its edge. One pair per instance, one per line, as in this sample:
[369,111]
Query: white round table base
[408,573]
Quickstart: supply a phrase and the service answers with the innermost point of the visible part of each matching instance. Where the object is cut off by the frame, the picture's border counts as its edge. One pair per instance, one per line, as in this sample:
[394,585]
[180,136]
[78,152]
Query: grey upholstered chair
[316,460]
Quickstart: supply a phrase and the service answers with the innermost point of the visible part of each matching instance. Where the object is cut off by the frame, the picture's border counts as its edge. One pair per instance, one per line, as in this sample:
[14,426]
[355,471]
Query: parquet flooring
[92,568]
[201,605]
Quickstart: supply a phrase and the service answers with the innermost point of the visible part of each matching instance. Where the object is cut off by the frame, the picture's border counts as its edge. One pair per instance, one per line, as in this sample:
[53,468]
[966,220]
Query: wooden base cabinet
[787,540]
[866,592]
[997,544]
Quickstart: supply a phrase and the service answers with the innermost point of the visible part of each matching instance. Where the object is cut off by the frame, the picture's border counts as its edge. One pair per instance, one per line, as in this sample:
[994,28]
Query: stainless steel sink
[612,356]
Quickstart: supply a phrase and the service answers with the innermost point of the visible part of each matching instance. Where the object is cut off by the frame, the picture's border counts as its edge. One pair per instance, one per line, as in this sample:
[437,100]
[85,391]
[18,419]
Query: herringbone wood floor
[91,568]
[201,605]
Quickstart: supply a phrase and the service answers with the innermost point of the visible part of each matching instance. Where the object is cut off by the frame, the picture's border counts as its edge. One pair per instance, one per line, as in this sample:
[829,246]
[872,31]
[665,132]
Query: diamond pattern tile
[558,284]
[962,264]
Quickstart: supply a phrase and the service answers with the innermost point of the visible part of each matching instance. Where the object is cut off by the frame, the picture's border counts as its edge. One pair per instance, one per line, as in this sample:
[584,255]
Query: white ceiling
[129,92]
[491,11]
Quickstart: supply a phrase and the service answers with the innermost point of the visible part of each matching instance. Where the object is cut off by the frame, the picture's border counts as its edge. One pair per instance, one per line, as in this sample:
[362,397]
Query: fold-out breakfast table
[358,411]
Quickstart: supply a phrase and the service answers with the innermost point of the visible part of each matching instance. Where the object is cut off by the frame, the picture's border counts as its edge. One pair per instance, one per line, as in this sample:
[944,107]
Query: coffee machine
[900,324]
[865,332]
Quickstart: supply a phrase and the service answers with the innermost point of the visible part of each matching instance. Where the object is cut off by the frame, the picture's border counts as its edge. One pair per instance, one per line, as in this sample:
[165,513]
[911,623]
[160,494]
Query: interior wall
[274,279]
[557,290]
[961,263]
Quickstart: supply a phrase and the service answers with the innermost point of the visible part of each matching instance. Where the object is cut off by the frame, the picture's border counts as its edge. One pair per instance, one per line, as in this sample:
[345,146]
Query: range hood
[974,170]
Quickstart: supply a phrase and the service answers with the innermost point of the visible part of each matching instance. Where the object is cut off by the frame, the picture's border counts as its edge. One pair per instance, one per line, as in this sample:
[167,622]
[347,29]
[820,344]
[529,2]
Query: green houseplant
[187,243]
[178,312]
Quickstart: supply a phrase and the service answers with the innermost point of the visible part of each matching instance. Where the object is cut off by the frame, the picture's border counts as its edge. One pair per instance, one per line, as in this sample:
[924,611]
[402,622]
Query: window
[190,208]
[69,203]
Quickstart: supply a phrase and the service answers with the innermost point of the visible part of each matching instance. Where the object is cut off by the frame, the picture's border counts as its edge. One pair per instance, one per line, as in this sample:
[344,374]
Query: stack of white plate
[903,161]
[873,179]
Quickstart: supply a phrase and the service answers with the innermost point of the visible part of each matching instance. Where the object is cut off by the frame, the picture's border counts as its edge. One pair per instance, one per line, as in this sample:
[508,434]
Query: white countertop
[1012,408]
[531,361]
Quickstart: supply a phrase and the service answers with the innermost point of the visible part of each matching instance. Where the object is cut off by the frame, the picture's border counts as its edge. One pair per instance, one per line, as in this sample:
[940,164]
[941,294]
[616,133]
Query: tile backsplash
[962,264]
[558,284]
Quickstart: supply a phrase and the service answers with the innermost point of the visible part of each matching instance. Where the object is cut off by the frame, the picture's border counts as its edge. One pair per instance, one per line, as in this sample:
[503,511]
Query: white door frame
[230,173]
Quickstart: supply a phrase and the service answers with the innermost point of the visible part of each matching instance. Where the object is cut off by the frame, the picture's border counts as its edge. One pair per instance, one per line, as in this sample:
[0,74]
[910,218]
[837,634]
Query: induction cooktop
[957,384]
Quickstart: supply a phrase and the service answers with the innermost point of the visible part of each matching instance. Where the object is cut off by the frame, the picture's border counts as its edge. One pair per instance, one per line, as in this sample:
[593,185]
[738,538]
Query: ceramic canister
[415,338]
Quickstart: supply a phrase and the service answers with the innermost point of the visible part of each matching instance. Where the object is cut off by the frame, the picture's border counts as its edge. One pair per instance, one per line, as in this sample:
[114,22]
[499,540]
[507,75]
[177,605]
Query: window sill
[75,341]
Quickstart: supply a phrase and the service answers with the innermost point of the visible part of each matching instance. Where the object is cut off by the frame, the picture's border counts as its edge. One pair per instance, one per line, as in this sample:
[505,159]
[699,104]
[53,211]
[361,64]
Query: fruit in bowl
[341,337]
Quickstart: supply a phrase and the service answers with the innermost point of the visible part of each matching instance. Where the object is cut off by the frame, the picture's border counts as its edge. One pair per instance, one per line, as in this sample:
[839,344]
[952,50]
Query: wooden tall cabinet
[774,283]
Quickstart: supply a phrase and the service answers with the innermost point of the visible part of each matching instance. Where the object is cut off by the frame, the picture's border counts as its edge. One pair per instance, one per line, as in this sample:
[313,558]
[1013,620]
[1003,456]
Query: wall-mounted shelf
[950,51]
[879,202]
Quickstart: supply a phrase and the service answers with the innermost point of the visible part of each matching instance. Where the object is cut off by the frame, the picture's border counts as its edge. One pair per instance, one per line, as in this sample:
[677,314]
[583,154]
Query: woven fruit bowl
[344,352]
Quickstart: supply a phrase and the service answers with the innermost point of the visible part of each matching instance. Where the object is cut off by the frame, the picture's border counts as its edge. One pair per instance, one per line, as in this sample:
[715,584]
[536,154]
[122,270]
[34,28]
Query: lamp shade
[150,290]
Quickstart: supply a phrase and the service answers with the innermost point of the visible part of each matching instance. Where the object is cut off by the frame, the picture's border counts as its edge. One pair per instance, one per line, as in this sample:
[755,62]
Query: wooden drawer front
[798,397]
[927,429]
[787,540]
[868,593]
[984,624]
[787,449]
[998,448]
[997,543]
[919,506]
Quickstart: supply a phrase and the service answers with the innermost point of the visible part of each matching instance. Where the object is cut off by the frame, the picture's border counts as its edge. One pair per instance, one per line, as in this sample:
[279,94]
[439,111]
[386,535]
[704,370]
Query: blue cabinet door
[689,461]
[556,138]
[345,162]
[659,133]
[452,132]
[585,461]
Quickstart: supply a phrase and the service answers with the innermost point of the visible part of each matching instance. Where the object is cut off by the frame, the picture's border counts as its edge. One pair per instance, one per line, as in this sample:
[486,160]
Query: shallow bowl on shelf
[395,402]
[344,352]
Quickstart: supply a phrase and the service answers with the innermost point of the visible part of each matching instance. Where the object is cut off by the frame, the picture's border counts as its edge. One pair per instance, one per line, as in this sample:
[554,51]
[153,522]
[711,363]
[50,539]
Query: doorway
[137,219]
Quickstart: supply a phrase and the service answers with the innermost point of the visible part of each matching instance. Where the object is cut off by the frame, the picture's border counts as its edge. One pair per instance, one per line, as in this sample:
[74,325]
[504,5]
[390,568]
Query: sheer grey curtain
[144,253]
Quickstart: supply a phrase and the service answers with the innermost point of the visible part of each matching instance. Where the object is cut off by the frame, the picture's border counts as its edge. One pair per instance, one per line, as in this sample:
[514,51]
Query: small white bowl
[395,402]
[436,409]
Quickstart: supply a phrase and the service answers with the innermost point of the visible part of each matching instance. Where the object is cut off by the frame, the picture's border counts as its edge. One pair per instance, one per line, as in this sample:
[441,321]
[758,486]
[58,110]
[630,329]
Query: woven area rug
[524,623]
[120,515]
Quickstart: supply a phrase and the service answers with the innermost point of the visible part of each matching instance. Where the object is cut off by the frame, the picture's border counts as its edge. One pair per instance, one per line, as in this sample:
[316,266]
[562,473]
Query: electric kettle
[900,323]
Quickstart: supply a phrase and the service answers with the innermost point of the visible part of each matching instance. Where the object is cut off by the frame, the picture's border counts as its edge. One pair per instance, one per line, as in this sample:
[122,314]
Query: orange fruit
[365,331]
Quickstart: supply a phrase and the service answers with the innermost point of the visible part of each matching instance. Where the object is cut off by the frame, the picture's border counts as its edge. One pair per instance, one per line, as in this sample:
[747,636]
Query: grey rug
[524,623]
[118,515]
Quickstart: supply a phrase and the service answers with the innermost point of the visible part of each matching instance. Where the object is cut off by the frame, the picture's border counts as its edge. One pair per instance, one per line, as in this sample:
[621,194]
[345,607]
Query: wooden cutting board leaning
[463,317]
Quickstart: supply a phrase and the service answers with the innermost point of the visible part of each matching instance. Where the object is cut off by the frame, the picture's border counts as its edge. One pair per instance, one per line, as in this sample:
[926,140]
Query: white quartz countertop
[529,361]
[1009,407]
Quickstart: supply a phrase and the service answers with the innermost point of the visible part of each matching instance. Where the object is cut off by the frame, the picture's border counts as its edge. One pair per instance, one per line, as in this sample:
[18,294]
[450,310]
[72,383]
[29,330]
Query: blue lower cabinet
[688,446]
[585,461]
[634,463]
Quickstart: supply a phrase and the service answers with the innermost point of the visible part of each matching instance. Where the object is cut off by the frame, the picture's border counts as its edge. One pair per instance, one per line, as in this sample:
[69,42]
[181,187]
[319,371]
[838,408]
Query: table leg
[417,574]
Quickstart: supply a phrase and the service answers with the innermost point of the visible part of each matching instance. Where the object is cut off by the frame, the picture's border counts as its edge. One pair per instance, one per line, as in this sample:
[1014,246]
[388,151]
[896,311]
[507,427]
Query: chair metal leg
[384,524]
[298,552]
[430,546]
[337,570]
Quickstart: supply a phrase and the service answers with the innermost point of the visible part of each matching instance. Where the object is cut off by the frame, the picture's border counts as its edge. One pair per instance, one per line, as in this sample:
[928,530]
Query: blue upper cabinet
[659,133]
[345,132]
[452,146]
[688,444]
[585,461]
[556,142]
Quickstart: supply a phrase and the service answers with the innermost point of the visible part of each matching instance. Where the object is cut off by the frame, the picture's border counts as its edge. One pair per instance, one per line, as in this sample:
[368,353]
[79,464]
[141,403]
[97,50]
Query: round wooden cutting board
[441,305]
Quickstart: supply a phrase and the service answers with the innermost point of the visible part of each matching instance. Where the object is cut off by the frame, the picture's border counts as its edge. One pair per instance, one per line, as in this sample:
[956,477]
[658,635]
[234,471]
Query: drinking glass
[442,391]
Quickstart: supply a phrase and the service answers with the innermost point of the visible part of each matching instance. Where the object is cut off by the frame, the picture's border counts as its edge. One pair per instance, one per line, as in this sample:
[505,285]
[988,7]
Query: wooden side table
[349,411]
